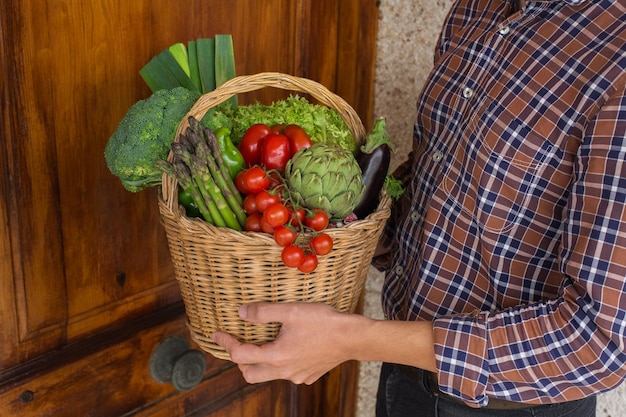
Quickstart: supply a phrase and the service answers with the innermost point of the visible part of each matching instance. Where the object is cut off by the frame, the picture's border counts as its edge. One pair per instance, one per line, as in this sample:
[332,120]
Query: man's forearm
[403,342]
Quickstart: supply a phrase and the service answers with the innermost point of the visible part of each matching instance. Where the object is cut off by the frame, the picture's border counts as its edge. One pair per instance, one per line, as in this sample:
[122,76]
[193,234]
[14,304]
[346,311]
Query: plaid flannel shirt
[513,237]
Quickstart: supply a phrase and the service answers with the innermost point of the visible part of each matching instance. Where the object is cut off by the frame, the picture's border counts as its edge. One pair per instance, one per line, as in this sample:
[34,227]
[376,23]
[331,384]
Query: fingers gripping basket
[219,269]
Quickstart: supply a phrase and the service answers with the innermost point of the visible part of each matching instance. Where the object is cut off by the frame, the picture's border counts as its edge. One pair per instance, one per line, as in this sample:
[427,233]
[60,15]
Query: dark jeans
[404,395]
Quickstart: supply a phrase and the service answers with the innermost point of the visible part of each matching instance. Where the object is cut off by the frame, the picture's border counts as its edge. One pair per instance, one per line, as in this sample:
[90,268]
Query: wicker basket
[218,269]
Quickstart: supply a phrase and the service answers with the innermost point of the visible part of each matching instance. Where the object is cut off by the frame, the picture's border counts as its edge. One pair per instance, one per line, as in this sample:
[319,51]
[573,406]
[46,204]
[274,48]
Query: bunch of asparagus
[199,169]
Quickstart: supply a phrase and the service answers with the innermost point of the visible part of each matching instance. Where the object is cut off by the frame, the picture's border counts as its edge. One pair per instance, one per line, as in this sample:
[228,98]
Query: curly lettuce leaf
[394,187]
[322,123]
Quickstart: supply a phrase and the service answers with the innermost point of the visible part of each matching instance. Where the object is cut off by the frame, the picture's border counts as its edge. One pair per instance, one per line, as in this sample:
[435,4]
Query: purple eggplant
[374,158]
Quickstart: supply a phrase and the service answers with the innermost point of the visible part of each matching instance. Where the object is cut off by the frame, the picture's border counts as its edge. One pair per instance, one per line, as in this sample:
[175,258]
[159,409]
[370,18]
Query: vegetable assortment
[256,198]
[177,76]
[291,169]
[271,209]
[276,179]
[271,205]
[286,184]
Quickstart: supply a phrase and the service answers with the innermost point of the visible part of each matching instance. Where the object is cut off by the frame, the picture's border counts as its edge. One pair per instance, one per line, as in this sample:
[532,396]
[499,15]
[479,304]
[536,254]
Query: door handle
[174,361]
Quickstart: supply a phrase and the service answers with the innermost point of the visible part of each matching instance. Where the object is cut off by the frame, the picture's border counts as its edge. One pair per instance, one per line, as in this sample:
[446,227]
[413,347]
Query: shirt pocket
[496,168]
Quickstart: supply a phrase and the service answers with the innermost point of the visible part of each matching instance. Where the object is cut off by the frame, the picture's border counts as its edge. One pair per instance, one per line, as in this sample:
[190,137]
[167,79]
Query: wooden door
[86,282]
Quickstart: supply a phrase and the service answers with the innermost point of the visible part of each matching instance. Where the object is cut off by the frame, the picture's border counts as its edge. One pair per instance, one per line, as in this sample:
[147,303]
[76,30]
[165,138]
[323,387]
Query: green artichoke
[327,177]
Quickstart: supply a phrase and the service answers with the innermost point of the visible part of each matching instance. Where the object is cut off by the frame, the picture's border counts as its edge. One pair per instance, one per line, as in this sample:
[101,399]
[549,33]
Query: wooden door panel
[112,378]
[109,376]
[267,400]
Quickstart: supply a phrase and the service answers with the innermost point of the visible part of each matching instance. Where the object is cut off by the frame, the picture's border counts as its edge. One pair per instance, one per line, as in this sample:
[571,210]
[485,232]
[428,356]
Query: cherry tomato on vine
[249,146]
[298,138]
[266,227]
[239,182]
[292,256]
[297,217]
[264,200]
[318,221]
[308,264]
[249,204]
[253,223]
[284,236]
[275,152]
[276,215]
[276,181]
[253,180]
[321,244]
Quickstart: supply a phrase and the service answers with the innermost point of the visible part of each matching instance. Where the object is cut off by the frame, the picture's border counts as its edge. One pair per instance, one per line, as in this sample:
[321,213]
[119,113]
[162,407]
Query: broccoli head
[145,135]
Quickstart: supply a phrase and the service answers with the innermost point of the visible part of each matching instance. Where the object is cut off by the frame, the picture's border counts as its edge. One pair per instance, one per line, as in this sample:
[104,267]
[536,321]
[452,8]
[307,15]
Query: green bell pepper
[230,154]
[185,198]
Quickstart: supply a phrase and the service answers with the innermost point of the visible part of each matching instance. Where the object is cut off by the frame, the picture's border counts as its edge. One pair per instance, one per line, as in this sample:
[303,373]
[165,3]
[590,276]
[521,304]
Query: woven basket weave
[219,269]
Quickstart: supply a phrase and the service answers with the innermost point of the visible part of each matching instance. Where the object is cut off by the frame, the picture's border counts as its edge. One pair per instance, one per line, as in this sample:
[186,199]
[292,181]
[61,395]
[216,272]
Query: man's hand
[313,339]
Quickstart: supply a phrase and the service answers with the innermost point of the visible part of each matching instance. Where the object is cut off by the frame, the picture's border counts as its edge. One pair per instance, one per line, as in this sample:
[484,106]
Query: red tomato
[249,204]
[298,138]
[321,244]
[253,223]
[264,200]
[297,217]
[255,179]
[318,221]
[276,215]
[284,236]
[275,151]
[266,227]
[308,264]
[276,180]
[240,182]
[292,256]
[250,141]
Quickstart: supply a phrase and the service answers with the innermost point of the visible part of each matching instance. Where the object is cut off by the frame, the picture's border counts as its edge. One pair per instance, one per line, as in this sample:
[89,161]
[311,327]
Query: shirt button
[399,270]
[468,92]
[415,216]
[505,30]
[437,156]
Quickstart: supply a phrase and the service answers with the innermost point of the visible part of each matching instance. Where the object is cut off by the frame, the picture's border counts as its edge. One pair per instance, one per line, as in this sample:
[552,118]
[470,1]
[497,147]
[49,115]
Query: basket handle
[248,83]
